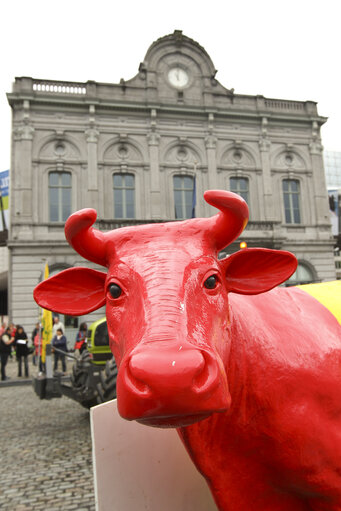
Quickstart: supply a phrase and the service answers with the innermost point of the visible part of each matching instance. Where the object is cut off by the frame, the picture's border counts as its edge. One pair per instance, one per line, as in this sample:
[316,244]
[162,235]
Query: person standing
[80,343]
[21,348]
[5,349]
[13,329]
[35,331]
[3,328]
[57,324]
[38,348]
[59,342]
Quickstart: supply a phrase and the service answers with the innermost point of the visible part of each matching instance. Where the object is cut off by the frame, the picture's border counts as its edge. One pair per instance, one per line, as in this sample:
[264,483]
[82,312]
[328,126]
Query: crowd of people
[15,342]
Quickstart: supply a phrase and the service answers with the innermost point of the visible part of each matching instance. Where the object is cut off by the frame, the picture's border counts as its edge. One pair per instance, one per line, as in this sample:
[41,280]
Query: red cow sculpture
[252,381]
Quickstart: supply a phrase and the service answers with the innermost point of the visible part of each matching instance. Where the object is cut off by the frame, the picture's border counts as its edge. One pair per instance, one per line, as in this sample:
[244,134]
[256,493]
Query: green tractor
[94,373]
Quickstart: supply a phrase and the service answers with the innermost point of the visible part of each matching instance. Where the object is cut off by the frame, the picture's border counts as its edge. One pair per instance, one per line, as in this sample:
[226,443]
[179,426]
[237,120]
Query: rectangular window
[124,196]
[184,197]
[291,198]
[240,185]
[59,196]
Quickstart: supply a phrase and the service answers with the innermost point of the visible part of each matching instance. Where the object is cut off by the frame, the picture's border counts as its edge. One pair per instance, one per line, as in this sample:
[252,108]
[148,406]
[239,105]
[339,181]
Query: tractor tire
[80,380]
[106,388]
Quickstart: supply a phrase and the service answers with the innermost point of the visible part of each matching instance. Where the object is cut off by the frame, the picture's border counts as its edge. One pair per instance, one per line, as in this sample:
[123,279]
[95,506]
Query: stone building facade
[141,150]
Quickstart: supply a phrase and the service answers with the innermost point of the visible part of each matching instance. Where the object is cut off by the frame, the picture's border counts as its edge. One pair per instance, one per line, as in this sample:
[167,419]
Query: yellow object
[243,244]
[327,293]
[46,323]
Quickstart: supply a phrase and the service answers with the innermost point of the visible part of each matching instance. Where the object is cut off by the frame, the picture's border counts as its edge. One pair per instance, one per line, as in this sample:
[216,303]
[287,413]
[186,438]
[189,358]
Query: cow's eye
[115,290]
[211,282]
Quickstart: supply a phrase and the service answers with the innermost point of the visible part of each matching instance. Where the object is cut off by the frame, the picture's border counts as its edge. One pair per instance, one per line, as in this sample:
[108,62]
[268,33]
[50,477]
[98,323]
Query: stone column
[22,165]
[264,147]
[92,136]
[320,188]
[155,191]
[211,144]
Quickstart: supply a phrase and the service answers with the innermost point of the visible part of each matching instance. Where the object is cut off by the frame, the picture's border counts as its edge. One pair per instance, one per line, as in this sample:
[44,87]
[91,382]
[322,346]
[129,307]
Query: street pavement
[45,450]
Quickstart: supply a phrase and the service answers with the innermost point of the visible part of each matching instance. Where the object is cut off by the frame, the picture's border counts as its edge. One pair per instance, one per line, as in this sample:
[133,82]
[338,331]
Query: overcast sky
[281,49]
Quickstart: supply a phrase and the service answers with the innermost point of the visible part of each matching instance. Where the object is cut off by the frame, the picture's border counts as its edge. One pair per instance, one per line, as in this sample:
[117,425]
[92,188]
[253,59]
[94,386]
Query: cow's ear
[74,291]
[255,270]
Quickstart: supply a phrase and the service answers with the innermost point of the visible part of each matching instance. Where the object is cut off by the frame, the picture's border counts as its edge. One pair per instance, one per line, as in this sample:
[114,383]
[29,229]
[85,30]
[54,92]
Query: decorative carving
[122,150]
[210,142]
[24,132]
[92,135]
[264,128]
[92,119]
[177,34]
[142,71]
[210,123]
[289,159]
[153,116]
[238,156]
[182,153]
[315,147]
[264,144]
[153,139]
[59,148]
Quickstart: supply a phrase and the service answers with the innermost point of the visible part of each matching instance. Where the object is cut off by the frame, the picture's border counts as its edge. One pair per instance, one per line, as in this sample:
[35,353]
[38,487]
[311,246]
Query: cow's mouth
[176,421]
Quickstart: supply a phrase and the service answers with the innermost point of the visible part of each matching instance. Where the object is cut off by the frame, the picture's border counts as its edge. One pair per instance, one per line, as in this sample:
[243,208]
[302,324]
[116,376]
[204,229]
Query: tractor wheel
[106,388]
[80,380]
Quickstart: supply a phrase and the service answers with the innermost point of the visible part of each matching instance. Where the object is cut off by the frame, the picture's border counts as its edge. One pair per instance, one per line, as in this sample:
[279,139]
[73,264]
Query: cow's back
[284,427]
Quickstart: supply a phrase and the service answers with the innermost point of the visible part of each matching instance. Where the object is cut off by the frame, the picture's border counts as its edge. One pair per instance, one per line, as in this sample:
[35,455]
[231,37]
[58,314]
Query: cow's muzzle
[165,386]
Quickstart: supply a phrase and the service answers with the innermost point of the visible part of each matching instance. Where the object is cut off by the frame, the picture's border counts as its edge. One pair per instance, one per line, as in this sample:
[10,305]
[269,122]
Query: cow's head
[166,296]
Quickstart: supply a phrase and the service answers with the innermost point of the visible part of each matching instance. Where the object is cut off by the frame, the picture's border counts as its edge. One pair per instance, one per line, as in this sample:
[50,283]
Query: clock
[178,77]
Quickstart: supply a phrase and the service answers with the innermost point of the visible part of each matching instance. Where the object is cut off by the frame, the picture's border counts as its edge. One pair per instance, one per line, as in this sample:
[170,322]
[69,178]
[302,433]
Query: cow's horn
[87,241]
[227,225]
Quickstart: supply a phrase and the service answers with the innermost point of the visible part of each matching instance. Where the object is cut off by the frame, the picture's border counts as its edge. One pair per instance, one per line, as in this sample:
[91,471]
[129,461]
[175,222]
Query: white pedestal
[139,468]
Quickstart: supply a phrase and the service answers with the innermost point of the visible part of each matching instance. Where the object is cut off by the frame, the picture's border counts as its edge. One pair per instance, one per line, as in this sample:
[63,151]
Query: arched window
[184,197]
[291,198]
[302,275]
[59,196]
[124,195]
[240,185]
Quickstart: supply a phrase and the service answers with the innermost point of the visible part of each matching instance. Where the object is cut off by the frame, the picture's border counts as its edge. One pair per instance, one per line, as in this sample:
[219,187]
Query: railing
[107,225]
[283,104]
[58,87]
[259,226]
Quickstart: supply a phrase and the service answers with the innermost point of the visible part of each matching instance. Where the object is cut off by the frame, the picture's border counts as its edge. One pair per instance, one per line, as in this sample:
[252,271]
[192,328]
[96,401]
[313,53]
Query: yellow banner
[327,293]
[46,323]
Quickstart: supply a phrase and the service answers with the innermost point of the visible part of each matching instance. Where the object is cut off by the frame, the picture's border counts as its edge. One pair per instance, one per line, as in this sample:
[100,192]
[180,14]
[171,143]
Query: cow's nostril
[208,378]
[135,383]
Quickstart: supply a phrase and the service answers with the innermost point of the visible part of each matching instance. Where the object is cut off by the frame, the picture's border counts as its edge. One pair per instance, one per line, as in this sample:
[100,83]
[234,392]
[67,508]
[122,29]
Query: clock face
[178,77]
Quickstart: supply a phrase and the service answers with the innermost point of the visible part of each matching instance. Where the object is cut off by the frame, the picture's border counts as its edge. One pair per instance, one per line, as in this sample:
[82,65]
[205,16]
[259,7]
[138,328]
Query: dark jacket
[60,343]
[4,347]
[20,342]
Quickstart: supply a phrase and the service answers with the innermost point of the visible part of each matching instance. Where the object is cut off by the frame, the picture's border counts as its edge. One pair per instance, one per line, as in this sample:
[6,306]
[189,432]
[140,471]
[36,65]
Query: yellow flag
[46,323]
